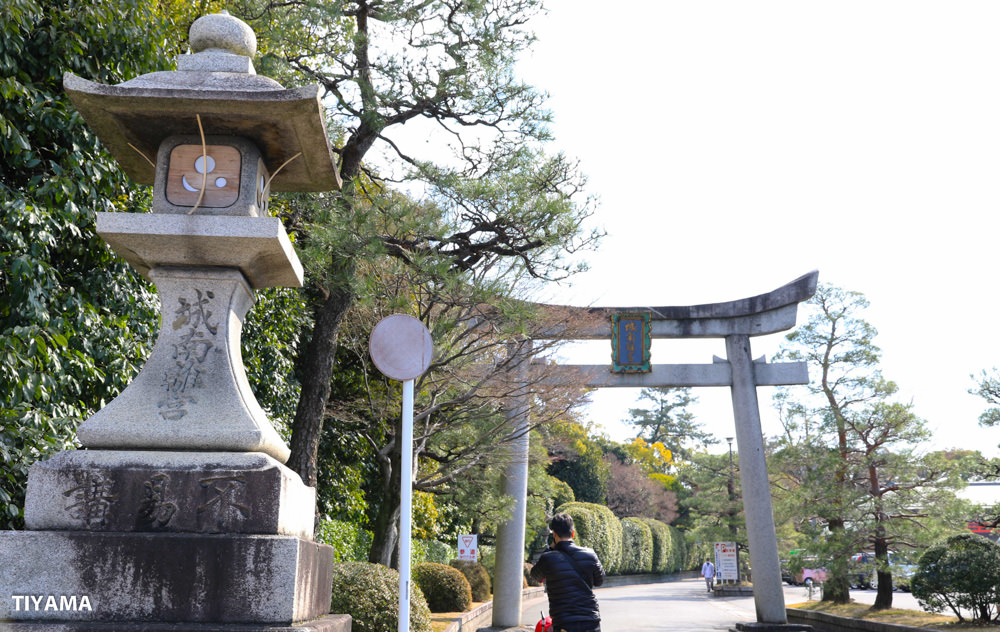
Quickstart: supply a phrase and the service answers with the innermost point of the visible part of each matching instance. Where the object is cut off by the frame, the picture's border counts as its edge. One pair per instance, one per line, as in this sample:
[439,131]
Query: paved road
[683,606]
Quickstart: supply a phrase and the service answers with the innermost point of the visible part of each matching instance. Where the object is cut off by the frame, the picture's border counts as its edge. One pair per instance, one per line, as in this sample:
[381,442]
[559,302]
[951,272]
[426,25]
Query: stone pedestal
[192,393]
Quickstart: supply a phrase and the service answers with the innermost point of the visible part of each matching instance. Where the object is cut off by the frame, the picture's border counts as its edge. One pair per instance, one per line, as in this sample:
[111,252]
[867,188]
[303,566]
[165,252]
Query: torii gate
[736,321]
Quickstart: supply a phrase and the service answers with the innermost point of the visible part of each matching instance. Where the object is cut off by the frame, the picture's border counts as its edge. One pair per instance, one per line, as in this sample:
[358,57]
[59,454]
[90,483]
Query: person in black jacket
[570,573]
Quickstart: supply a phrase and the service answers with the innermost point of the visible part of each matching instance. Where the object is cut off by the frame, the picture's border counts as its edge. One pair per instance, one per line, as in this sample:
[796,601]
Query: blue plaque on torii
[630,342]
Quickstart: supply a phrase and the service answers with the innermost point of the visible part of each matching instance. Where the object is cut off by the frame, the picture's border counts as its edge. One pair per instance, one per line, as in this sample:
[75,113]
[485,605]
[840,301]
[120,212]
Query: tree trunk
[837,587]
[883,600]
[385,529]
[317,370]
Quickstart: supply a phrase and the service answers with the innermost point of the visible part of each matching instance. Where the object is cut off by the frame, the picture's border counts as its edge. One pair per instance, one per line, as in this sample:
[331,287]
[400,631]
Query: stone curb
[823,622]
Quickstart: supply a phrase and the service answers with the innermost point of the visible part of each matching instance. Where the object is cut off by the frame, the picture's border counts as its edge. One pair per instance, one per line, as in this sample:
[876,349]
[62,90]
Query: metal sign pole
[405,505]
[402,349]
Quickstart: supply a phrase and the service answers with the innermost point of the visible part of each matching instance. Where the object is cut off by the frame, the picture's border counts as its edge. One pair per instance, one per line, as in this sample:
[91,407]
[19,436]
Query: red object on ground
[544,625]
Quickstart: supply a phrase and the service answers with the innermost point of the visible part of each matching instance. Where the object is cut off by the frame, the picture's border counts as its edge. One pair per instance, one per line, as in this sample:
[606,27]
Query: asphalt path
[685,606]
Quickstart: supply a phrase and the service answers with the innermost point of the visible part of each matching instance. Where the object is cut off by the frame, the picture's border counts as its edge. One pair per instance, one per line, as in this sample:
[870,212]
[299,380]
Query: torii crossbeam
[736,322]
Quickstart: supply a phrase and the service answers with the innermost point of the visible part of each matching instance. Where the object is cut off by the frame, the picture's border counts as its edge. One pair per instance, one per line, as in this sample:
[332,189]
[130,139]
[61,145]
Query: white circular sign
[401,347]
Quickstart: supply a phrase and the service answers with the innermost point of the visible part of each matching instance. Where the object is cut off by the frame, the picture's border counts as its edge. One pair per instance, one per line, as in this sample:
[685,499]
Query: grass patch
[914,618]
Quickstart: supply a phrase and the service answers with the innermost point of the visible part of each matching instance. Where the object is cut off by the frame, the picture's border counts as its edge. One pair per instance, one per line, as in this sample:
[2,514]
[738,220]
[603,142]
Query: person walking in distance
[708,572]
[570,573]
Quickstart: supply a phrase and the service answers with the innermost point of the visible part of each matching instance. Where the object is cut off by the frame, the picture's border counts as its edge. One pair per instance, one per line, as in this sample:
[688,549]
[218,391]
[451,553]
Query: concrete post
[767,592]
[509,570]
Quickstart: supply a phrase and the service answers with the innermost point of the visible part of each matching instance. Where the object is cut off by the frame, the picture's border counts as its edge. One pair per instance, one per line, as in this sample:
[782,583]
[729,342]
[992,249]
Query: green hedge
[479,578]
[680,552]
[598,528]
[446,588]
[637,547]
[660,556]
[370,594]
[629,545]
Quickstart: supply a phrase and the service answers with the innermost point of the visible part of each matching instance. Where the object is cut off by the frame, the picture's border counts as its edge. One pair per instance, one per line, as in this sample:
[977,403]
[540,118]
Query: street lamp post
[731,488]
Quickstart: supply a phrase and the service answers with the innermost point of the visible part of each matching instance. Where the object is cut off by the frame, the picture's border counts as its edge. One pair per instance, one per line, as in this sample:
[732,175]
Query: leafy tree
[900,485]
[848,451]
[75,321]
[711,512]
[634,493]
[961,573]
[668,421]
[578,461]
[985,469]
[461,432]
[638,484]
[838,346]
[448,63]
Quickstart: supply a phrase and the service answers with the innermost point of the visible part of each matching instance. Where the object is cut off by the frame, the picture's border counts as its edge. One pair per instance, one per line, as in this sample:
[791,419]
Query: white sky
[737,145]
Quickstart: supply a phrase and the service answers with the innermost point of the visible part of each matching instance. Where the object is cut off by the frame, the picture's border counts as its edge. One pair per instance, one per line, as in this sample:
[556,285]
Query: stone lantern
[179,510]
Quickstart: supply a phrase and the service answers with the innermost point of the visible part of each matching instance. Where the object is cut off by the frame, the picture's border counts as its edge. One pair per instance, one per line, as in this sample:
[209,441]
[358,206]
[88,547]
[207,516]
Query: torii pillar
[736,322]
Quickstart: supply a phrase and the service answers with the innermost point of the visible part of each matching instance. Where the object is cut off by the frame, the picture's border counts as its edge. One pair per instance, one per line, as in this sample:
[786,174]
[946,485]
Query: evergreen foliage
[680,550]
[430,551]
[637,547]
[668,421]
[349,541]
[583,468]
[446,588]
[598,528]
[660,555]
[75,320]
[849,460]
[479,578]
[370,594]
[960,574]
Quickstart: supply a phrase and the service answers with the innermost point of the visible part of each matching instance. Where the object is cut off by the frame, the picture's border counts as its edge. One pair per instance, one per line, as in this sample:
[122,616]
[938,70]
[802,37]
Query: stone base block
[89,577]
[329,623]
[194,492]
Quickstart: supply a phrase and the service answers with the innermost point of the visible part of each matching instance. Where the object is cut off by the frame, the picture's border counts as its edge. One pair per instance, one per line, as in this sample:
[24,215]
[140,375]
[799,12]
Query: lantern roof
[217,83]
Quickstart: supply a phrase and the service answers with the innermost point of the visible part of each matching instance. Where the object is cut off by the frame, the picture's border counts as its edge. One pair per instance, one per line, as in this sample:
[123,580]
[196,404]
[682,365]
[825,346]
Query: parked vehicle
[863,571]
[864,575]
[810,576]
[801,570]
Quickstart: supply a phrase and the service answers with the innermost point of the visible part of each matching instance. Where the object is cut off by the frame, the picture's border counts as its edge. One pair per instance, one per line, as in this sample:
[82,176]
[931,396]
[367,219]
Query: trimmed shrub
[660,558]
[349,541]
[962,572]
[479,579]
[680,557]
[446,588]
[528,579]
[370,594]
[598,528]
[637,547]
